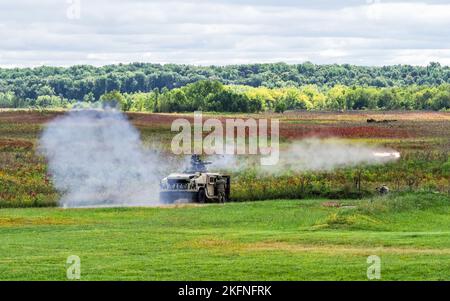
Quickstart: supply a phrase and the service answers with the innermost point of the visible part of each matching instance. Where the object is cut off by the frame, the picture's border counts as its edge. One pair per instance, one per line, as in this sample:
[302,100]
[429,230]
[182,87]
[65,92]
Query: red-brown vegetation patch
[361,116]
[10,144]
[153,119]
[28,116]
[307,131]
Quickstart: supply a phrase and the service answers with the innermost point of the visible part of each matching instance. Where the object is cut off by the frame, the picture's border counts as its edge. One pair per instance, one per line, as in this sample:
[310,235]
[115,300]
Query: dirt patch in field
[282,246]
[331,204]
[21,221]
[221,245]
[232,246]
[181,205]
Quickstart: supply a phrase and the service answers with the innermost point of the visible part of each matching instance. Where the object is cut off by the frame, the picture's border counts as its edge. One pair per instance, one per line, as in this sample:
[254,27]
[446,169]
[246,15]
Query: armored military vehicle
[195,184]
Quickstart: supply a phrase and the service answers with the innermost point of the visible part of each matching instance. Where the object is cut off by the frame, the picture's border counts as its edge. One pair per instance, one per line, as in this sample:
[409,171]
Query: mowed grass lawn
[267,240]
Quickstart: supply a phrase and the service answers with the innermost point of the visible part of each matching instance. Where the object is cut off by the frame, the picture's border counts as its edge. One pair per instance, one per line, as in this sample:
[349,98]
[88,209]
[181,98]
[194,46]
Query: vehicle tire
[201,196]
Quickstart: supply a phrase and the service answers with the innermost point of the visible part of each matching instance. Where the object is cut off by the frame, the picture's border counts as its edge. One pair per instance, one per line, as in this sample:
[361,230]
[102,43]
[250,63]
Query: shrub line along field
[313,226]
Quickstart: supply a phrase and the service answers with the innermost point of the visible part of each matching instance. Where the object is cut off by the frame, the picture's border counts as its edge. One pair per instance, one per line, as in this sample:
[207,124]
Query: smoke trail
[96,158]
[313,155]
[329,154]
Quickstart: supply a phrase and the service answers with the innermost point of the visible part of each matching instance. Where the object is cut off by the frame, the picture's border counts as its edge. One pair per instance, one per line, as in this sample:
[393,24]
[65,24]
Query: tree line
[213,96]
[79,82]
[236,88]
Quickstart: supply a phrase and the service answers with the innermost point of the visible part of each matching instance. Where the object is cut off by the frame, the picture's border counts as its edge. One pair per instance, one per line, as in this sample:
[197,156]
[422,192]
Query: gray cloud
[366,32]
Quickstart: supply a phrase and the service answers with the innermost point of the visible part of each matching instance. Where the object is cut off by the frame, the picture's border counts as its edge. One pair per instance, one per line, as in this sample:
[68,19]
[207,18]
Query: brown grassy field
[423,138]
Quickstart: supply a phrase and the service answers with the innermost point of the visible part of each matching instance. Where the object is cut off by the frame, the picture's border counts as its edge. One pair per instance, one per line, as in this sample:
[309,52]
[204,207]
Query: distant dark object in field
[383,189]
[371,120]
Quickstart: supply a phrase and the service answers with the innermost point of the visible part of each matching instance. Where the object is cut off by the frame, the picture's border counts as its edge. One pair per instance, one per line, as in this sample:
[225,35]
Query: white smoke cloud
[313,155]
[226,162]
[329,154]
[96,158]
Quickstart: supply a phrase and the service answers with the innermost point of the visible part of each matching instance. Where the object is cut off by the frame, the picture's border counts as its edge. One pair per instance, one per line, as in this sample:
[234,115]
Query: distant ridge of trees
[247,88]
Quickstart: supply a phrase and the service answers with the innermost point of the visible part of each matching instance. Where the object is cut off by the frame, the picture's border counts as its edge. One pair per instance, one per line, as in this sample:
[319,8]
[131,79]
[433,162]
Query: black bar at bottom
[214,290]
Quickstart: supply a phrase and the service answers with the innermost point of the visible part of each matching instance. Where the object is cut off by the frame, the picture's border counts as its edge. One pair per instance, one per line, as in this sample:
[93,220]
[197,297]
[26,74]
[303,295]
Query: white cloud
[225,32]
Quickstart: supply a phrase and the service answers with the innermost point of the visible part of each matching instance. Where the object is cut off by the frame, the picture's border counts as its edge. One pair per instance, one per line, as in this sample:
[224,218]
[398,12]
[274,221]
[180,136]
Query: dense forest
[235,88]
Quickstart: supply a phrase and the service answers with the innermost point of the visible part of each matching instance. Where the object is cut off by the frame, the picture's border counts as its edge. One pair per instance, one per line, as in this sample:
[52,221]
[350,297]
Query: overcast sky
[204,32]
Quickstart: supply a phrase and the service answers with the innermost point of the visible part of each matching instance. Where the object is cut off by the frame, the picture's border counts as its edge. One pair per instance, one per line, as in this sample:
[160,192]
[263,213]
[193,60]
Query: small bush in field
[446,169]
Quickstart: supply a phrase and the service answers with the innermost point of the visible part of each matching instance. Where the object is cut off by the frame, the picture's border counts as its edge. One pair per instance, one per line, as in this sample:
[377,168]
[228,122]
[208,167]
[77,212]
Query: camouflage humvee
[195,184]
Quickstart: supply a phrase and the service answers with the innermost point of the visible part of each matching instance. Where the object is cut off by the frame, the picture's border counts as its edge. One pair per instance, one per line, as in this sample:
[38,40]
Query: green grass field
[267,240]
